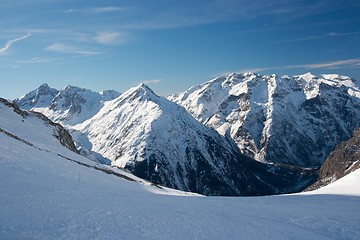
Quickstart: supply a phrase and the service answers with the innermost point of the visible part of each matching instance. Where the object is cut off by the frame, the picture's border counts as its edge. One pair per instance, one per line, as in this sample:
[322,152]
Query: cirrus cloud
[347,63]
[111,38]
[64,48]
[9,43]
[152,81]
[96,10]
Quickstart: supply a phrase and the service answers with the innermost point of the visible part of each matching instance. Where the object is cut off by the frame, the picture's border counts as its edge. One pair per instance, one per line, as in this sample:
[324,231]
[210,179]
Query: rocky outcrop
[342,161]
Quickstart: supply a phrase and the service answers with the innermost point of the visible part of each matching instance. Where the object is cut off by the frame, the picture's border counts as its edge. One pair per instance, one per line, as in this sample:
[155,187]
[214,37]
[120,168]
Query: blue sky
[171,45]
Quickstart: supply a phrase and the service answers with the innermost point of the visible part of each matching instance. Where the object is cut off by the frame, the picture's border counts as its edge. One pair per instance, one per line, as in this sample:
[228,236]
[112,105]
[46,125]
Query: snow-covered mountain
[68,106]
[295,120]
[160,141]
[50,192]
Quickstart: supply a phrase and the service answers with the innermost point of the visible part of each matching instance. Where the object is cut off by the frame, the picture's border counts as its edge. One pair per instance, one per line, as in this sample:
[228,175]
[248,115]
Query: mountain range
[242,134]
[48,191]
[293,120]
[68,106]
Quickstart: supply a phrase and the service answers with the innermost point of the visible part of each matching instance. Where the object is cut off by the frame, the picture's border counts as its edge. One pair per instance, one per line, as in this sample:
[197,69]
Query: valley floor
[44,196]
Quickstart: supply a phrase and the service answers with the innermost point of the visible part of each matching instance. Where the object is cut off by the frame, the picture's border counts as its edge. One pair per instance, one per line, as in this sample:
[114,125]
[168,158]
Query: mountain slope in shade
[69,106]
[295,120]
[160,141]
[342,161]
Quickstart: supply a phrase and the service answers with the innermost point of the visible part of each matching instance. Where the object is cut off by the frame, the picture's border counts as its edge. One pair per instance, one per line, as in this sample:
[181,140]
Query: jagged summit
[70,88]
[44,86]
[40,97]
[307,76]
[69,106]
[141,90]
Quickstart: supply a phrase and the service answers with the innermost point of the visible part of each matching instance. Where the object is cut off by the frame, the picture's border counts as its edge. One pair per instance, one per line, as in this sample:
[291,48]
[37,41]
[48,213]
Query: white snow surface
[46,196]
[347,185]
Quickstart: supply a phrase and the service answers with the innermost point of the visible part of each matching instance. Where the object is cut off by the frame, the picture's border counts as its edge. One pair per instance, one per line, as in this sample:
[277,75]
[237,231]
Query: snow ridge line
[18,138]
[96,167]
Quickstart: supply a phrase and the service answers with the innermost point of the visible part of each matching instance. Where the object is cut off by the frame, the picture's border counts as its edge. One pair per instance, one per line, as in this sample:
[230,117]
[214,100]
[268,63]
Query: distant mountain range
[68,106]
[271,132]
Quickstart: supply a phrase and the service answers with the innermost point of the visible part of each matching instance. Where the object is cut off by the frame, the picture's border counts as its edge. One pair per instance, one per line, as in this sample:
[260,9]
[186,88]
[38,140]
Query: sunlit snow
[46,196]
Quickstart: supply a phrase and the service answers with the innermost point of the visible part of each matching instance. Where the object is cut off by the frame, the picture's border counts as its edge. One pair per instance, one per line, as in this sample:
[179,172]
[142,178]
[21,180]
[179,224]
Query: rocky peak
[141,92]
[40,97]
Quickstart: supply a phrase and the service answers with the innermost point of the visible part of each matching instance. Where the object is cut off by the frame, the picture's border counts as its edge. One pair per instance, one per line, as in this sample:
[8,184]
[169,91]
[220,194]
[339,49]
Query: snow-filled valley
[50,192]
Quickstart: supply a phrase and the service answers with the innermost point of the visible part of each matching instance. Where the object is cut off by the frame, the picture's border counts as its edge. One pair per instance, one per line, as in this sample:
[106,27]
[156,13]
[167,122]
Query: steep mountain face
[160,141]
[342,161]
[69,106]
[33,128]
[294,120]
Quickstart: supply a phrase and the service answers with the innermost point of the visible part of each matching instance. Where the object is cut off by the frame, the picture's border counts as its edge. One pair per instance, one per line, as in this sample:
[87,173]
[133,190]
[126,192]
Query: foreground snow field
[44,196]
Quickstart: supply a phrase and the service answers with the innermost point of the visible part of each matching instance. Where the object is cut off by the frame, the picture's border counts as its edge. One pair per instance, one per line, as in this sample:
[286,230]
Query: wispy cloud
[111,38]
[69,49]
[152,81]
[9,43]
[96,10]
[348,63]
[335,64]
[309,38]
[39,60]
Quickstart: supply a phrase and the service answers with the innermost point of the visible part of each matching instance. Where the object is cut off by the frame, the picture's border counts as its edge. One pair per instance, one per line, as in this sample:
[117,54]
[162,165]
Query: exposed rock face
[342,161]
[295,120]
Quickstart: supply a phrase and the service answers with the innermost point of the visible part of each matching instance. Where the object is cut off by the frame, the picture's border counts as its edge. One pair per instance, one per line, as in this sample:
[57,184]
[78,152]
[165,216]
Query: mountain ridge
[268,116]
[68,106]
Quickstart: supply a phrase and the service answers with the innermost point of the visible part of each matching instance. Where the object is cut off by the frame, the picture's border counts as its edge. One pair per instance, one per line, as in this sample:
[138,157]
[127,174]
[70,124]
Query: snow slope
[46,195]
[347,185]
[342,161]
[295,120]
